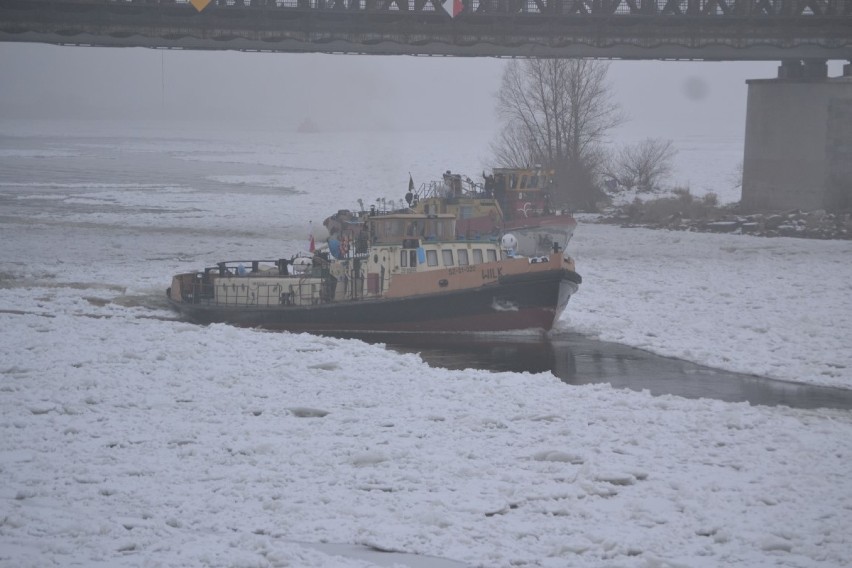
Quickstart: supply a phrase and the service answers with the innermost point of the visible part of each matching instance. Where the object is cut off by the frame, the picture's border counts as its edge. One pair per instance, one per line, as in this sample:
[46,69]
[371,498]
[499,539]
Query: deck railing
[232,284]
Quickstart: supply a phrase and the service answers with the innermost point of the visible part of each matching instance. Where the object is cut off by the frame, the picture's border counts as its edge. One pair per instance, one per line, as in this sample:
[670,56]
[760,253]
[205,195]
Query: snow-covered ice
[779,307]
[128,438]
[144,442]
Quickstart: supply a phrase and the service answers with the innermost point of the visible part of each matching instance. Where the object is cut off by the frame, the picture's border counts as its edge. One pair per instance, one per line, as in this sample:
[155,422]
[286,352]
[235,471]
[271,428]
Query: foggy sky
[345,92]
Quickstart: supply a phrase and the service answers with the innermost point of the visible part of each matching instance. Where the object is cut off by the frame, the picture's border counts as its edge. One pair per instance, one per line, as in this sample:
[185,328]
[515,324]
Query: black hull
[519,302]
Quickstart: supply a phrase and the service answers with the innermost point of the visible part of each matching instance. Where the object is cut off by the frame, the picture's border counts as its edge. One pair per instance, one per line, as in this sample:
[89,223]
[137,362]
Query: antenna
[163,80]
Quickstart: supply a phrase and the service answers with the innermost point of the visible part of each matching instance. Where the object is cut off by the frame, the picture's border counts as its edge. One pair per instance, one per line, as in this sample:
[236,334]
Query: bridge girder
[627,29]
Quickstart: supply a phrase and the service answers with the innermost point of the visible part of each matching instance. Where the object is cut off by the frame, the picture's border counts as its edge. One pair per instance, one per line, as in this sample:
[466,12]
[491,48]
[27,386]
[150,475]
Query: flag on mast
[453,7]
[410,182]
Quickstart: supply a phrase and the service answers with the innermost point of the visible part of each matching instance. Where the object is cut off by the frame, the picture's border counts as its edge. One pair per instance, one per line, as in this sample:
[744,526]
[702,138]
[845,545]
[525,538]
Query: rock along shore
[803,224]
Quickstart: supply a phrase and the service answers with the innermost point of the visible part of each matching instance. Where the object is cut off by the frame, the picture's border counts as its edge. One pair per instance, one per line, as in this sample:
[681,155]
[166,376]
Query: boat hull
[526,301]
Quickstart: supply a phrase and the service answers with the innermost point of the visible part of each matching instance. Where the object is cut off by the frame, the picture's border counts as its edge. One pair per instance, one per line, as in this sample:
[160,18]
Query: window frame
[432,257]
[447,254]
[462,257]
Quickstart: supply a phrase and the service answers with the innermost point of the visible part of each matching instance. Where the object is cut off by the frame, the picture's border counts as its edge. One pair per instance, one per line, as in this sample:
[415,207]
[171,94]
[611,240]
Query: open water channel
[579,360]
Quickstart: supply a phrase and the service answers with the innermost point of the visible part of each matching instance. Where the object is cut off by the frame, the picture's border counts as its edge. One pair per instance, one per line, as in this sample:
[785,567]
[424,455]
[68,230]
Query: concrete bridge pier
[798,139]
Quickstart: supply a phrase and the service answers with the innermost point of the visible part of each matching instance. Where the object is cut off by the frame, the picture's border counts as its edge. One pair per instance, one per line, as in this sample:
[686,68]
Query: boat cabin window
[523,182]
[390,230]
[477,256]
[465,212]
[432,257]
[439,228]
[463,260]
[492,255]
[447,257]
[408,258]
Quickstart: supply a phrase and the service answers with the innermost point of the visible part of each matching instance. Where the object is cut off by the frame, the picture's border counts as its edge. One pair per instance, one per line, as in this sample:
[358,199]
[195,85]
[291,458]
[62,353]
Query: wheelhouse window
[438,228]
[477,256]
[432,257]
[412,229]
[492,255]
[463,258]
[447,257]
[403,258]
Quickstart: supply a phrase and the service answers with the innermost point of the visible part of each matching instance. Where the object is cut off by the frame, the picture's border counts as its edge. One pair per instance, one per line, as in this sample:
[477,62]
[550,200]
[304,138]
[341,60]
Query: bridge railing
[698,8]
[753,30]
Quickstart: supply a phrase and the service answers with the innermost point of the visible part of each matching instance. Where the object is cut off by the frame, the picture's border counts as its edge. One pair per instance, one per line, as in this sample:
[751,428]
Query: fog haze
[344,92]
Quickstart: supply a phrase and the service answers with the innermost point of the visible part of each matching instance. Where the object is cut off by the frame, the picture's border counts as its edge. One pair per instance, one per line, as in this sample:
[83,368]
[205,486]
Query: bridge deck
[654,29]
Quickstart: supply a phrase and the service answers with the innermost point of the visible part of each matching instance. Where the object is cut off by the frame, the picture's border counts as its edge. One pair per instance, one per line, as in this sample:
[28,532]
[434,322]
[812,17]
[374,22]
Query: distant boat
[307,126]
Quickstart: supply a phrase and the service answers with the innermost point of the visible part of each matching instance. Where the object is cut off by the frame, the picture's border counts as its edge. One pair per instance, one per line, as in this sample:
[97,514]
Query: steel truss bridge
[791,30]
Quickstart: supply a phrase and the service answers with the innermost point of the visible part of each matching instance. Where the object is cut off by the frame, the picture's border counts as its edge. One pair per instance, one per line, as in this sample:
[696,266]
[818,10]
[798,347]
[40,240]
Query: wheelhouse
[524,192]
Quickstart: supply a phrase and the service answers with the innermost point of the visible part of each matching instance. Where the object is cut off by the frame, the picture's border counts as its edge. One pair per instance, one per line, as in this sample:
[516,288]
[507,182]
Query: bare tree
[556,113]
[736,177]
[643,166]
[513,148]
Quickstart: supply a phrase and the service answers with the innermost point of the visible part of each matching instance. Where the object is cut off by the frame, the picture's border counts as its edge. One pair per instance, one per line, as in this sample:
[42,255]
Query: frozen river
[129,438]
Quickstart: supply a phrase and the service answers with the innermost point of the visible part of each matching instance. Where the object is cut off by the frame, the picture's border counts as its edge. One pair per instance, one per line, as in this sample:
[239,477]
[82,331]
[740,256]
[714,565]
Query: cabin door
[357,279]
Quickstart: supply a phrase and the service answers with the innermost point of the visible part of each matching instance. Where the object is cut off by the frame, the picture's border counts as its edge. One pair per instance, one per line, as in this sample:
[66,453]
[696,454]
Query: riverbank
[684,213]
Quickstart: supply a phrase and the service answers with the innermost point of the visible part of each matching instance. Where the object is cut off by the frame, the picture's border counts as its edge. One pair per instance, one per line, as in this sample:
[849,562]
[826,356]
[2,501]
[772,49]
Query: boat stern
[183,288]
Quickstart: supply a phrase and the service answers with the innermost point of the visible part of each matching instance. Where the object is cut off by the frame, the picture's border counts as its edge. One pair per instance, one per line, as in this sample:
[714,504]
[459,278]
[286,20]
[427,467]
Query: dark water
[578,360]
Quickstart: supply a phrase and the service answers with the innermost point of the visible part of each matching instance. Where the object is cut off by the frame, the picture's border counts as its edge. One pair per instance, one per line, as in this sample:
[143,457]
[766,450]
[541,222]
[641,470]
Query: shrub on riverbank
[685,212]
